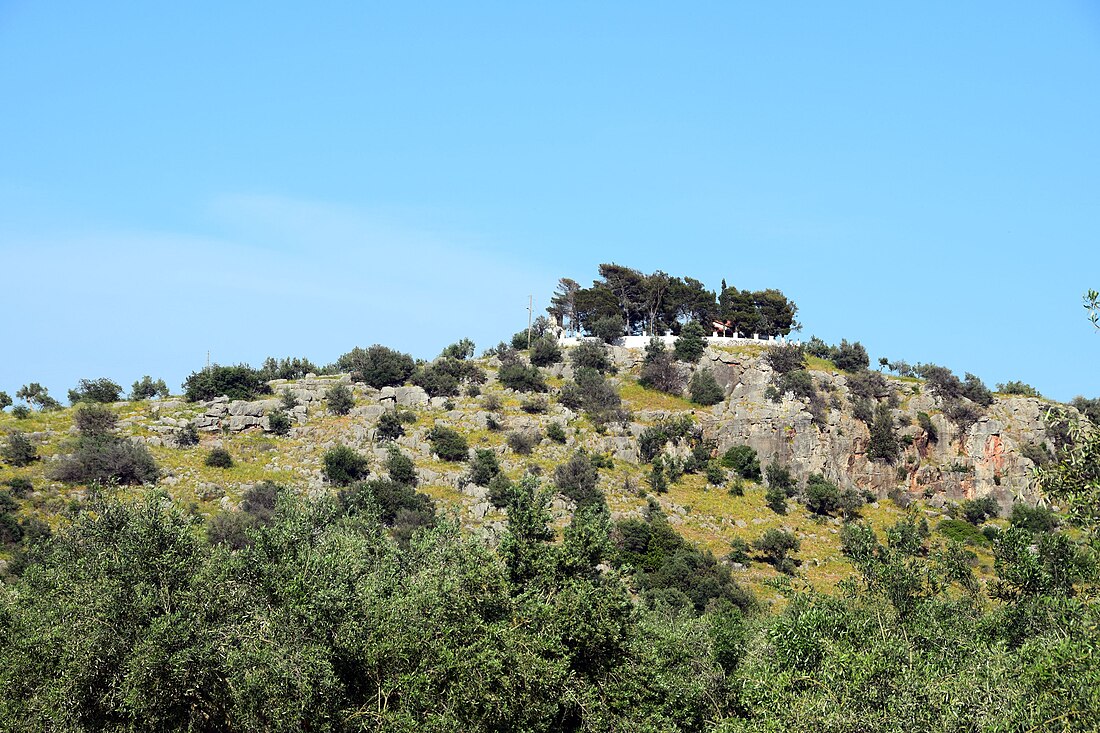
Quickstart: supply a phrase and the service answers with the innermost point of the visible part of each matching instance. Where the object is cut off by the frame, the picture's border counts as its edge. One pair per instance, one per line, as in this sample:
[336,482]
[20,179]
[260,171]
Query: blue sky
[261,179]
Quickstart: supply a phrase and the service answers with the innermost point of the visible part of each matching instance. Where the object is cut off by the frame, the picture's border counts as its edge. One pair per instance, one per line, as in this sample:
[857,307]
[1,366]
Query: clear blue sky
[281,179]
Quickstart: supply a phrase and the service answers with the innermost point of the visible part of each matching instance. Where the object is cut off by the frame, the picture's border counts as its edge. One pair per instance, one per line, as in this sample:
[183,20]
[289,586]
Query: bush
[591,355]
[448,444]
[288,399]
[339,399]
[798,382]
[776,499]
[146,388]
[591,392]
[779,477]
[663,374]
[850,357]
[928,427]
[521,377]
[5,401]
[399,505]
[1038,520]
[534,405]
[219,458]
[716,475]
[436,380]
[35,394]
[484,467]
[868,385]
[577,478]
[389,427]
[400,467]
[1018,388]
[20,412]
[657,480]
[884,444]
[555,432]
[690,345]
[19,451]
[705,389]
[777,545]
[976,391]
[522,442]
[377,366]
[20,486]
[106,459]
[784,359]
[343,465]
[960,531]
[976,511]
[279,422]
[461,350]
[545,352]
[187,436]
[609,328]
[240,382]
[500,491]
[822,497]
[287,368]
[95,390]
[739,551]
[743,460]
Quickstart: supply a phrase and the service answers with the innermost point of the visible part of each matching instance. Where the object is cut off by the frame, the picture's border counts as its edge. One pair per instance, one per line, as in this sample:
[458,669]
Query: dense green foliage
[219,458]
[339,399]
[18,450]
[743,460]
[99,456]
[344,465]
[448,444]
[705,389]
[95,390]
[690,345]
[240,382]
[146,388]
[377,366]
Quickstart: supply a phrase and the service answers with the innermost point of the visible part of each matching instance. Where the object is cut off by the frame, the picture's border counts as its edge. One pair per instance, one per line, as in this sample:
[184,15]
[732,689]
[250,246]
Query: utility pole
[208,360]
[530,303]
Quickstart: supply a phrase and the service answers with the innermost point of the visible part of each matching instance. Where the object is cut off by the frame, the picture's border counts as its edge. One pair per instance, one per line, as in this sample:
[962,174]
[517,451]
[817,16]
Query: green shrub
[461,350]
[219,458]
[146,388]
[705,389]
[928,427]
[535,405]
[436,380]
[555,432]
[288,399]
[187,436]
[522,442]
[591,392]
[657,479]
[20,486]
[343,465]
[279,422]
[777,546]
[448,444]
[377,366]
[399,506]
[577,478]
[591,355]
[18,451]
[776,499]
[21,412]
[690,344]
[287,368]
[484,467]
[521,377]
[850,357]
[784,359]
[389,427]
[884,445]
[1037,454]
[500,491]
[1018,388]
[716,475]
[779,476]
[106,459]
[1038,520]
[822,497]
[545,352]
[5,401]
[95,390]
[662,373]
[240,382]
[35,394]
[743,460]
[609,328]
[400,467]
[976,511]
[960,531]
[339,399]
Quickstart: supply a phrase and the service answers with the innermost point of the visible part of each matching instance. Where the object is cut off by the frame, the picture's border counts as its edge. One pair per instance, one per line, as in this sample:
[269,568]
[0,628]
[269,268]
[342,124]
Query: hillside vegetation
[726,537]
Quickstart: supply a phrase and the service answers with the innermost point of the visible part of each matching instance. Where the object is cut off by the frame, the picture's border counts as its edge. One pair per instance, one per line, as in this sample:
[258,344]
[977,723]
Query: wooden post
[530,303]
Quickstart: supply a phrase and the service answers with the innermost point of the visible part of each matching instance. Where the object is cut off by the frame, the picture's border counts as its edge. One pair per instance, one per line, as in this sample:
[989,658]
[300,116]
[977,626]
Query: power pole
[530,303]
[208,360]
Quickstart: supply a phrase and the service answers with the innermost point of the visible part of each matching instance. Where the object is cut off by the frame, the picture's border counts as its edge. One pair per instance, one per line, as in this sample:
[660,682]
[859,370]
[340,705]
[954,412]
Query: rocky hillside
[935,463]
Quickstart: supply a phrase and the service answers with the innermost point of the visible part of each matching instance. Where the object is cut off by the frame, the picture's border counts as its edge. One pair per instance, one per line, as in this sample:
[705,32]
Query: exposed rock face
[985,461]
